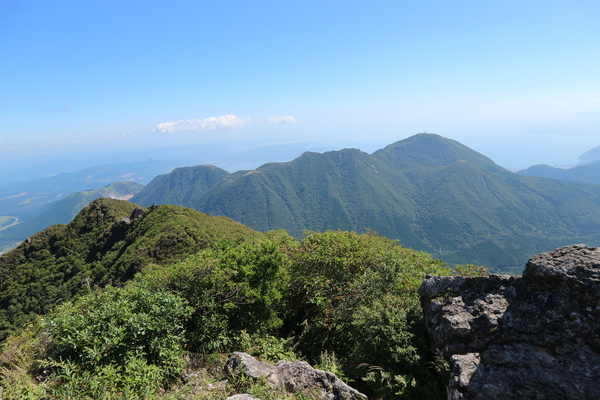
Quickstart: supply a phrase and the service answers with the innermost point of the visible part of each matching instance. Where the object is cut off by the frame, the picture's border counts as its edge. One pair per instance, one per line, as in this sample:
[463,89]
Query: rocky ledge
[295,377]
[512,337]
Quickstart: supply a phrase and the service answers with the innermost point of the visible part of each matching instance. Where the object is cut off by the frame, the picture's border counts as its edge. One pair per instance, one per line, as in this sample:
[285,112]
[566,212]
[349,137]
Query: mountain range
[119,272]
[64,210]
[429,192]
[585,173]
[29,196]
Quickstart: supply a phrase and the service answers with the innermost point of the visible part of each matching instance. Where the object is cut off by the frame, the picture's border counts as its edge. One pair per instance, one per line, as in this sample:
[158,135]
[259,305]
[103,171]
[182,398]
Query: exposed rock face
[296,376]
[530,337]
[242,397]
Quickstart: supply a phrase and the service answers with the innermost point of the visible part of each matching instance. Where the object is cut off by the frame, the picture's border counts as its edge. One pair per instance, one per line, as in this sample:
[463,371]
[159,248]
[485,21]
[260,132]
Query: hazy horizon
[515,81]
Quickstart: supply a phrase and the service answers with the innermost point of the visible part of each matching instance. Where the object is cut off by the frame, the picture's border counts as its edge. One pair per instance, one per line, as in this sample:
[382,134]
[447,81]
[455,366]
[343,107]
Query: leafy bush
[232,287]
[127,339]
[470,270]
[343,301]
[356,296]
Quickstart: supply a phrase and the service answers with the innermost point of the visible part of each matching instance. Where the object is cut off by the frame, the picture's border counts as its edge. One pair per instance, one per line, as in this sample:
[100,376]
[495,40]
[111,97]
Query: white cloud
[282,119]
[214,123]
[202,125]
[595,99]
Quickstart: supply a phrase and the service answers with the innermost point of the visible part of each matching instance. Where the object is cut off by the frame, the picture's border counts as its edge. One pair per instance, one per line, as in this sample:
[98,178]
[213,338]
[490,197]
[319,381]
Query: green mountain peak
[429,150]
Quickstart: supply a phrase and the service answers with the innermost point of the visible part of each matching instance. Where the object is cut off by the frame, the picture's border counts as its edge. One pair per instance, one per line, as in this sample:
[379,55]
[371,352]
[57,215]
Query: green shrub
[355,296]
[265,347]
[470,270]
[232,287]
[127,340]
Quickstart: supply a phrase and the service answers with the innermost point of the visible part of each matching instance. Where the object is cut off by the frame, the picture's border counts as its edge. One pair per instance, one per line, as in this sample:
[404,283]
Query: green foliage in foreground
[121,328]
[98,248]
[233,287]
[356,296]
[342,301]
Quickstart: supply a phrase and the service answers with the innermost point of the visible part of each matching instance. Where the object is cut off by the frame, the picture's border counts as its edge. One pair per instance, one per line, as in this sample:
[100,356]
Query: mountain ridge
[431,193]
[585,173]
[64,210]
[107,242]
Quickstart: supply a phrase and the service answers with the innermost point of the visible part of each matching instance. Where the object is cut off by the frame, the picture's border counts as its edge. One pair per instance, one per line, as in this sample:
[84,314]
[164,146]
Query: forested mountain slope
[182,186]
[64,210]
[108,241]
[431,193]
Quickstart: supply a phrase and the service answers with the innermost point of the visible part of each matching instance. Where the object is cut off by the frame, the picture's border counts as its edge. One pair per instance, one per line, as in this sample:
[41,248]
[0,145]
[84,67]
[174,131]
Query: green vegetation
[343,301]
[132,303]
[431,193]
[233,287]
[585,173]
[186,185]
[98,248]
[64,210]
[354,296]
[130,339]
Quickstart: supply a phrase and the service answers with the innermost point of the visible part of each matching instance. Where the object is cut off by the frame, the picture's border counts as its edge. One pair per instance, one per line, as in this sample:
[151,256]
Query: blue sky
[518,81]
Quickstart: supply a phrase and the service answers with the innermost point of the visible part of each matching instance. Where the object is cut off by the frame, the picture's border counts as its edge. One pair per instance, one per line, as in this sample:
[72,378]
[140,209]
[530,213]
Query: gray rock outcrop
[511,337]
[242,397]
[297,376]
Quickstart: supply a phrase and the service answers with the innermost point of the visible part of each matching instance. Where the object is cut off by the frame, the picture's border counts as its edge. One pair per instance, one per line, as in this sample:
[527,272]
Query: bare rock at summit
[512,337]
[297,376]
[243,363]
[300,376]
[137,213]
[242,397]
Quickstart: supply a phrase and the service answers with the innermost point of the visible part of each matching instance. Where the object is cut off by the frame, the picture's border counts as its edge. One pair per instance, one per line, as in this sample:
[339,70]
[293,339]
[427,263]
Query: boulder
[512,337]
[243,363]
[242,397]
[297,376]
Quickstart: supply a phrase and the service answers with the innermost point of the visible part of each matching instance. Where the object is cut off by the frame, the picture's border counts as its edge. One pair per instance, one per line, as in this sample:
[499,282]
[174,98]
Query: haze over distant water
[514,80]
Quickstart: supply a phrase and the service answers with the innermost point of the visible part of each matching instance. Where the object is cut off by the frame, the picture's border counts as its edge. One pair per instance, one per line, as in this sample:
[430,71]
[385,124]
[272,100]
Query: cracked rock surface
[297,376]
[512,337]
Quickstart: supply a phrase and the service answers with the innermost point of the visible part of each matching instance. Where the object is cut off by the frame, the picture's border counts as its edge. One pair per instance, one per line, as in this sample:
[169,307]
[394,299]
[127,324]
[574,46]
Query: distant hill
[182,186]
[30,201]
[586,173]
[63,211]
[590,155]
[108,241]
[431,193]
[29,196]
